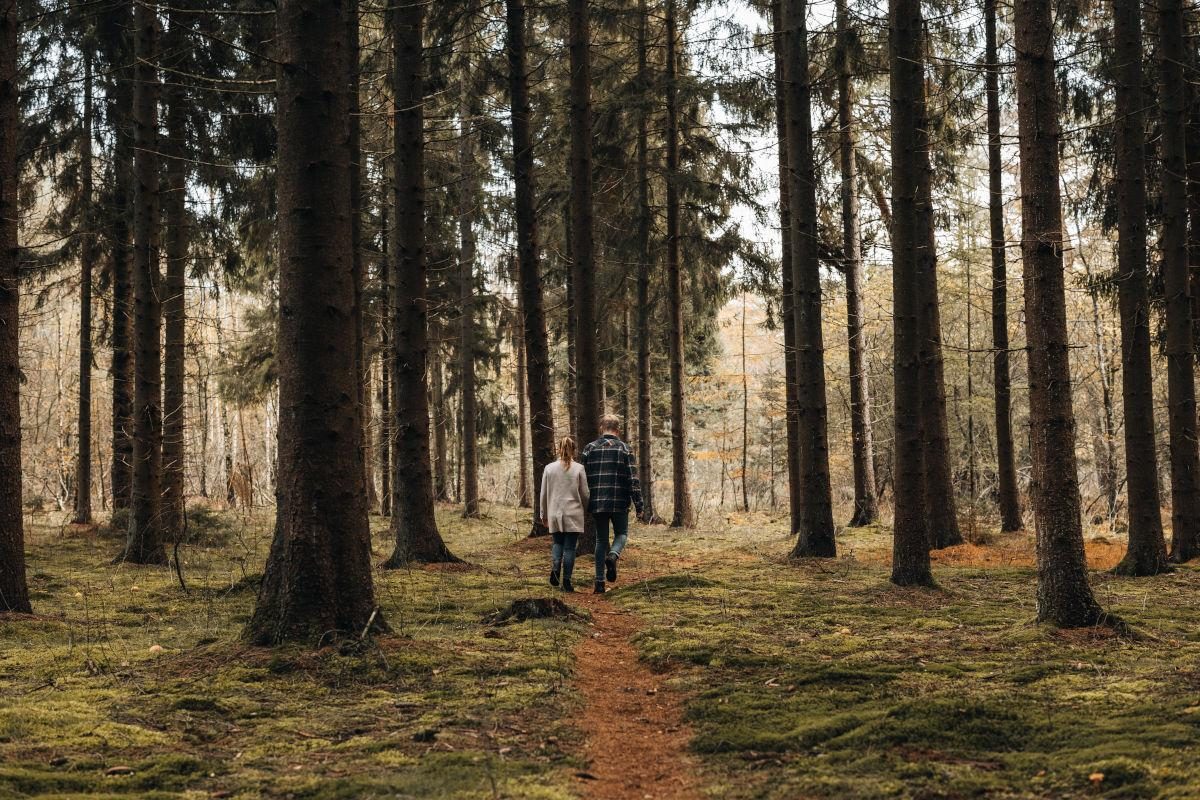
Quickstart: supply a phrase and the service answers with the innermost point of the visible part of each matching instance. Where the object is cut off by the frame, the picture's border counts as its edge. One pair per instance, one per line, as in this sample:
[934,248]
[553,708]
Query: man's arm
[635,486]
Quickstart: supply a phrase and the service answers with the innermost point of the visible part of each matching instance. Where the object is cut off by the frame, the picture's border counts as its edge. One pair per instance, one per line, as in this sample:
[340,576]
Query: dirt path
[636,741]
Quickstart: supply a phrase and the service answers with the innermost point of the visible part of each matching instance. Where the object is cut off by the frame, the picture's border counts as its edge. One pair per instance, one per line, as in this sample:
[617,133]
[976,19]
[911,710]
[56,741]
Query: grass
[121,669]
[819,679]
[813,679]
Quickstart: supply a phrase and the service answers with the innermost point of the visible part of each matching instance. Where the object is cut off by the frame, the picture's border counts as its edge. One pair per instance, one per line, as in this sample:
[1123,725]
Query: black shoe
[554,577]
[567,585]
[610,568]
[599,588]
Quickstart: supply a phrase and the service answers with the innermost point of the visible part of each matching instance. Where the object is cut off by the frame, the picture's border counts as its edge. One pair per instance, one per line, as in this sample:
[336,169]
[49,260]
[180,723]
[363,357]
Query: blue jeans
[562,553]
[620,530]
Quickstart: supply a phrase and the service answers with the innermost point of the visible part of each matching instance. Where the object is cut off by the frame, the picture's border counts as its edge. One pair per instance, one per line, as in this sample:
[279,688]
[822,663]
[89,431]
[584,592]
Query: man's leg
[620,524]
[601,544]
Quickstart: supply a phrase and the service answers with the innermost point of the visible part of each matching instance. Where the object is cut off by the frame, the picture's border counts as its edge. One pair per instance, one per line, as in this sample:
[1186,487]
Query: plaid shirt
[612,476]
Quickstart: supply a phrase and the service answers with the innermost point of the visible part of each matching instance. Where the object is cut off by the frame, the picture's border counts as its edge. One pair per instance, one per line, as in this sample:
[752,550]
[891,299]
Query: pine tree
[14,591]
[318,574]
[1064,597]
[1147,551]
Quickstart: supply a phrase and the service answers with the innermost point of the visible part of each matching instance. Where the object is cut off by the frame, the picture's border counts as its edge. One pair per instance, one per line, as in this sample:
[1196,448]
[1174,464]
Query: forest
[336,336]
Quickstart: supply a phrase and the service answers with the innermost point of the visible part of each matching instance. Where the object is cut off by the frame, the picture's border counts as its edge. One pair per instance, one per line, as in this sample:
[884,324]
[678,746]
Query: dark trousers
[620,535]
[562,553]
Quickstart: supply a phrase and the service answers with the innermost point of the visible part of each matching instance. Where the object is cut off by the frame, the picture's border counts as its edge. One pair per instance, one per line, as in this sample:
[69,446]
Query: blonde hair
[566,451]
[610,423]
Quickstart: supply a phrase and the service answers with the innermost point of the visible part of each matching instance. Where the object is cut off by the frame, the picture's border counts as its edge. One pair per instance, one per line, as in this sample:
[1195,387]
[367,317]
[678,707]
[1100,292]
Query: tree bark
[146,529]
[118,22]
[441,427]
[318,575]
[1147,551]
[910,544]
[1006,469]
[384,446]
[468,190]
[87,260]
[866,507]
[524,498]
[788,299]
[537,376]
[414,524]
[645,408]
[1181,391]
[14,591]
[1064,597]
[683,515]
[816,534]
[174,288]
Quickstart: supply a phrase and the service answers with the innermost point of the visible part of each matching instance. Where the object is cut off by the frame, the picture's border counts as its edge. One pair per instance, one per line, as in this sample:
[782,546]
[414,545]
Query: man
[613,486]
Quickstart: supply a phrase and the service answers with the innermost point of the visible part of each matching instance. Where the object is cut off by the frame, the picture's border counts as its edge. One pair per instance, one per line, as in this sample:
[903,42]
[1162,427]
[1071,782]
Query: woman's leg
[571,541]
[556,556]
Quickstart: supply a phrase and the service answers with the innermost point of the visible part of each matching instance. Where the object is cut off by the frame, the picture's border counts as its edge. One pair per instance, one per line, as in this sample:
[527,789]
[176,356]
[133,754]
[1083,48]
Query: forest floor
[715,669]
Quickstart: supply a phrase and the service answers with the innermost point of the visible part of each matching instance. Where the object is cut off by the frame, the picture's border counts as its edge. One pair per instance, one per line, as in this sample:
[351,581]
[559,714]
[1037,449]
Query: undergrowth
[123,685]
[822,680]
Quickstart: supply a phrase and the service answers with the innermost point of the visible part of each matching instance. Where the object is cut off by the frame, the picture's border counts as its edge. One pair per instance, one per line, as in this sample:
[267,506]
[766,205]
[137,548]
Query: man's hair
[610,423]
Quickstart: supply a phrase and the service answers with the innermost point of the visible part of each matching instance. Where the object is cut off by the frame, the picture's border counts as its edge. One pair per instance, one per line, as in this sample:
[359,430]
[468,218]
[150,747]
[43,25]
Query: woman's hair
[566,451]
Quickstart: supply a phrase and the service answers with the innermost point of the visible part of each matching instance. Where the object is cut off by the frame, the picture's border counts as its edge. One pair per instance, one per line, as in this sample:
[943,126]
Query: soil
[636,742]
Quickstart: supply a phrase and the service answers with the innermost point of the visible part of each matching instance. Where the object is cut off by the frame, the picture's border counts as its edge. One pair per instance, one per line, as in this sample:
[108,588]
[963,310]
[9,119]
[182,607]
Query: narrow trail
[636,740]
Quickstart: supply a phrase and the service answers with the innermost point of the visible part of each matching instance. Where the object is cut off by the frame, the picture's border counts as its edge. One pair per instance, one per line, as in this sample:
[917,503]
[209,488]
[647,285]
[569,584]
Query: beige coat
[564,497]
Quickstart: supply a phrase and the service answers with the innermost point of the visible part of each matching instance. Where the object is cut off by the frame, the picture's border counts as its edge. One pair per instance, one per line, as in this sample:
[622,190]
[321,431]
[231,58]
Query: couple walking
[603,483]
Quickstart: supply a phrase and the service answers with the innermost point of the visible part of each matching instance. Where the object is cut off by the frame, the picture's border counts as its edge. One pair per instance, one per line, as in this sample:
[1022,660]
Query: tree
[683,515]
[785,261]
[1147,551]
[583,258]
[173,306]
[866,507]
[414,524]
[1006,468]
[1181,390]
[144,544]
[537,377]
[910,552]
[468,194]
[116,24]
[318,573]
[87,261]
[14,592]
[1064,597]
[815,536]
[645,223]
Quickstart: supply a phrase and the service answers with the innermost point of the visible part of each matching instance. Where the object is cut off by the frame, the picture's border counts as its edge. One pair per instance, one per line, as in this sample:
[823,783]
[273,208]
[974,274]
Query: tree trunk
[1063,595]
[537,376]
[1182,548]
[414,524]
[816,534]
[318,575]
[683,516]
[645,265]
[1006,468]
[118,23]
[910,543]
[146,529]
[523,496]
[441,427]
[384,447]
[1147,550]
[866,507]
[940,506]
[468,191]
[87,260]
[174,288]
[14,591]
[745,416]
[787,301]
[1181,391]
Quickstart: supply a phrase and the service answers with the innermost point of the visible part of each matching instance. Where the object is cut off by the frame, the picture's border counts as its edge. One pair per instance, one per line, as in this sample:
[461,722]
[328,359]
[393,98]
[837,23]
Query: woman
[564,498]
